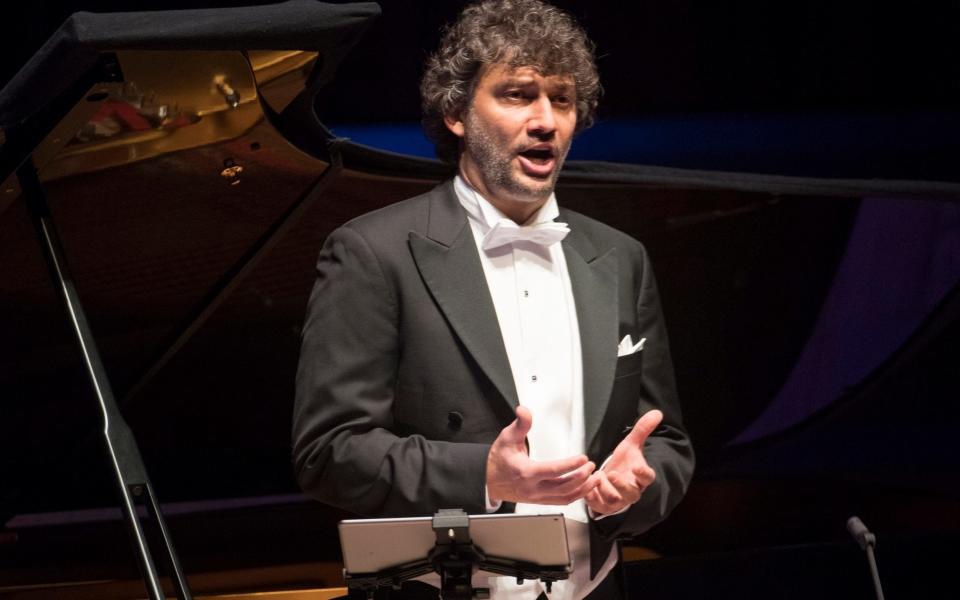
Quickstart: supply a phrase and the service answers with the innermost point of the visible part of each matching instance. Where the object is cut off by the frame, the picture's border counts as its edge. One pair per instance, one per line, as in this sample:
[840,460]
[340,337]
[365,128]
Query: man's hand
[626,474]
[513,476]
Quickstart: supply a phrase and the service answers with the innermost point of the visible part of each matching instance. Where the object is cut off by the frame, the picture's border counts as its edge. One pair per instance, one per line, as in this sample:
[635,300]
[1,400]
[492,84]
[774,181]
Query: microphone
[860,533]
[867,541]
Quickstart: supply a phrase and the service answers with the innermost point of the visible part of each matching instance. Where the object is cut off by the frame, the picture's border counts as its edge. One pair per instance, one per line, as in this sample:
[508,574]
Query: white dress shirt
[531,293]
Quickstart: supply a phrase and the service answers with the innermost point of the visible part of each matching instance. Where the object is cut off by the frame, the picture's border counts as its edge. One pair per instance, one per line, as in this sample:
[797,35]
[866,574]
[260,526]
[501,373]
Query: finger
[603,499]
[644,475]
[608,492]
[599,507]
[644,427]
[593,499]
[581,492]
[552,469]
[567,482]
[577,493]
[595,503]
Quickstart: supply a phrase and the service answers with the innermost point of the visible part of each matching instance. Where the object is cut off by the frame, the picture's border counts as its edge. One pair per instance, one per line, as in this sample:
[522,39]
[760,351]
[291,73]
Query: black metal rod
[121,446]
[180,584]
[244,265]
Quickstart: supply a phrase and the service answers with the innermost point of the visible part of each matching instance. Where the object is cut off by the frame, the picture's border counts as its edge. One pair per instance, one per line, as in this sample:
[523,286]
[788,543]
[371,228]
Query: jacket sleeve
[668,449]
[345,449]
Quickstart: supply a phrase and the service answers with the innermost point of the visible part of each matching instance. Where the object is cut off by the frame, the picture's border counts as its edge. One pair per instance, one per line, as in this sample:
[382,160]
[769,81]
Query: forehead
[498,74]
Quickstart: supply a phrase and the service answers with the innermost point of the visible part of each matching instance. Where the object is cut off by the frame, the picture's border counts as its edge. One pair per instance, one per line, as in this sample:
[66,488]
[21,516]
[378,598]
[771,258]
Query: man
[458,354]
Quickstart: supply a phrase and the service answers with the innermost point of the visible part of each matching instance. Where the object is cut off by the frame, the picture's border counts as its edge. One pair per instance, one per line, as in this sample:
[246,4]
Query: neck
[518,211]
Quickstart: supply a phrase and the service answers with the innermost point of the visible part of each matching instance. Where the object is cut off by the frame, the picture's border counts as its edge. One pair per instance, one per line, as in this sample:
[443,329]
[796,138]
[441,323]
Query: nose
[542,118]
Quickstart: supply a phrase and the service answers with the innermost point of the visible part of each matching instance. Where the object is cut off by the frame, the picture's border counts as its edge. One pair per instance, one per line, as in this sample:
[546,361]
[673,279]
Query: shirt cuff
[492,507]
[597,516]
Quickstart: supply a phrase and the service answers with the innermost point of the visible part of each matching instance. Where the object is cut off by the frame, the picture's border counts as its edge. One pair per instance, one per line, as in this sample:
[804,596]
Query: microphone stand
[867,541]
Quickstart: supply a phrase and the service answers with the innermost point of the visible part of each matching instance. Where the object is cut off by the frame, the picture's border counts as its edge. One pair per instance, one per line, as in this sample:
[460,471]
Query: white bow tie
[507,232]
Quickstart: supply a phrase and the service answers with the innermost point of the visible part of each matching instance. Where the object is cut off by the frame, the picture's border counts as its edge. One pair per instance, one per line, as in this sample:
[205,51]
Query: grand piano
[180,163]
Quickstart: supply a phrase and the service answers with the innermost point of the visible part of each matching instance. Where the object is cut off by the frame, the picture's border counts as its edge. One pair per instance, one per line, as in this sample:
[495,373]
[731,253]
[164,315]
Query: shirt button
[526,294]
[533,378]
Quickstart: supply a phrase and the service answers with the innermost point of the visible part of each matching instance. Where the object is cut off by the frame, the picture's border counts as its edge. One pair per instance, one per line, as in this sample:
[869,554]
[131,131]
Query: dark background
[851,89]
[655,57]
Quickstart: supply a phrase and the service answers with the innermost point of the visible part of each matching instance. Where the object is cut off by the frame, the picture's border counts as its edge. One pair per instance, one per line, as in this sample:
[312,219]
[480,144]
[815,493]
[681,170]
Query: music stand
[454,545]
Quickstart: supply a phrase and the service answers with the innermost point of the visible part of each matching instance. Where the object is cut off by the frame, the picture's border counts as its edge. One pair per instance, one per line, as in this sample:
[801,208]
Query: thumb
[524,421]
[521,426]
[644,427]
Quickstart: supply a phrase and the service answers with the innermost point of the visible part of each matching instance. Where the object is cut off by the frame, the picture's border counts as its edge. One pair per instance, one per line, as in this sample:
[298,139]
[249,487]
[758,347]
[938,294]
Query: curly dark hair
[518,33]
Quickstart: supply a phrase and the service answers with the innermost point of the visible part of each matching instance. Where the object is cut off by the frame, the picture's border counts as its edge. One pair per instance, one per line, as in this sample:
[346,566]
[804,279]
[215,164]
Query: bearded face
[516,134]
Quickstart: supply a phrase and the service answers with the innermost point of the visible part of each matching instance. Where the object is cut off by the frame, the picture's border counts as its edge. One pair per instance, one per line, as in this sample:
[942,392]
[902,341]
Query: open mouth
[538,161]
[538,156]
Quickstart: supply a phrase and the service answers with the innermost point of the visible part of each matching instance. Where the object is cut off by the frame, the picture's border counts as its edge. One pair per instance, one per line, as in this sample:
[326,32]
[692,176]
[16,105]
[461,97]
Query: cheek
[508,131]
[565,137]
[492,127]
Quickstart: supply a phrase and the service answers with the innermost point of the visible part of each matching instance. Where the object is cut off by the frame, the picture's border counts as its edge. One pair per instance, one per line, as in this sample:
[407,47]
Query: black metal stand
[131,476]
[455,558]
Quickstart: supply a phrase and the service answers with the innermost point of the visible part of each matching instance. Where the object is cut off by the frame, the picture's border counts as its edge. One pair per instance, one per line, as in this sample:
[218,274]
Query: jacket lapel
[450,266]
[593,278]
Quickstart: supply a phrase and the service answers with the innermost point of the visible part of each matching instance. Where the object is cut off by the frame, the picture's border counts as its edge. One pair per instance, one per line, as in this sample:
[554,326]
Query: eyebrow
[513,81]
[563,86]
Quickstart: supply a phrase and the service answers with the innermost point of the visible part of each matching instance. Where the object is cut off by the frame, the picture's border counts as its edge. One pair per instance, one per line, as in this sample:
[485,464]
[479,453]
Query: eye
[515,95]
[563,100]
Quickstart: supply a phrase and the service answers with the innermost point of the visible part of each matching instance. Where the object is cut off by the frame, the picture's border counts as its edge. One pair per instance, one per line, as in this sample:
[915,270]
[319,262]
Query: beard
[496,161]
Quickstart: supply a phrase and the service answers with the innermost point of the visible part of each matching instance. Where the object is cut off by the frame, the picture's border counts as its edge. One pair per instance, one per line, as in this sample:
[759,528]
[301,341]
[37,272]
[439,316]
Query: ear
[454,124]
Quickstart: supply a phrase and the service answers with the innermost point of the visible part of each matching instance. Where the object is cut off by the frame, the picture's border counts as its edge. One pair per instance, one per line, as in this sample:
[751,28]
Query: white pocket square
[628,347]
